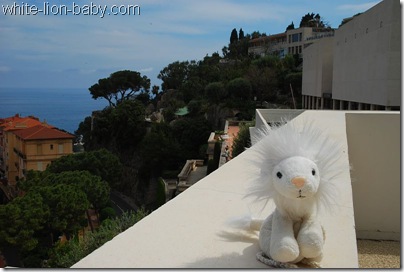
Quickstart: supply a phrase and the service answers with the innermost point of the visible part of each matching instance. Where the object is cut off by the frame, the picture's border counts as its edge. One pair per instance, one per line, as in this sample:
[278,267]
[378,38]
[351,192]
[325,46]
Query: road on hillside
[119,205]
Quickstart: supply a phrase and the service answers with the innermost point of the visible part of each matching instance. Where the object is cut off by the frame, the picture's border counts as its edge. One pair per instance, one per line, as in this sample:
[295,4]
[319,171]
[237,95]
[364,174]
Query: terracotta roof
[41,132]
[16,122]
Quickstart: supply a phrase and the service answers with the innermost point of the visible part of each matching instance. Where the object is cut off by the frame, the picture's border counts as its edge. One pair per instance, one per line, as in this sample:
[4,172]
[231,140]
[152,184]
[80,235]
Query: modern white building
[360,67]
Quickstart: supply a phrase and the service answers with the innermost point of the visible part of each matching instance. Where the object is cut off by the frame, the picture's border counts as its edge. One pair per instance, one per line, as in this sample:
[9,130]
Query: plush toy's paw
[286,250]
[311,240]
[311,245]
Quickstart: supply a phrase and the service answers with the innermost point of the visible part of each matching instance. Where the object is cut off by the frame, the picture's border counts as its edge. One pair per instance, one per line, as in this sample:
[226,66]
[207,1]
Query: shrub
[66,254]
[242,141]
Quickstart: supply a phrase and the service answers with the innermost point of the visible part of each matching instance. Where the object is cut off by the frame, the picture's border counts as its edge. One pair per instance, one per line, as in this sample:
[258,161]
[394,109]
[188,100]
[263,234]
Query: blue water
[62,108]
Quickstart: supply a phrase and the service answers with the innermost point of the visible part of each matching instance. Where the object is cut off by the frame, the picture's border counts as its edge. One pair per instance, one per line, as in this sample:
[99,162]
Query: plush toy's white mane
[281,142]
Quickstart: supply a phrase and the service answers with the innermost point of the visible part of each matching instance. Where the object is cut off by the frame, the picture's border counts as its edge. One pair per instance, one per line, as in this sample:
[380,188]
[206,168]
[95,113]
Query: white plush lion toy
[299,168]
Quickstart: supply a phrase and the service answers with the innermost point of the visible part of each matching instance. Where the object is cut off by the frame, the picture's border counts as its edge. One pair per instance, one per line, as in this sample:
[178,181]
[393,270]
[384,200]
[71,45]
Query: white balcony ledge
[191,230]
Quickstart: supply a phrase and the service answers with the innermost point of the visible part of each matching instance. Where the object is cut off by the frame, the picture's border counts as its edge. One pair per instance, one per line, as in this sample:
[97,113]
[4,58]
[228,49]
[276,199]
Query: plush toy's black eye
[279,175]
[313,172]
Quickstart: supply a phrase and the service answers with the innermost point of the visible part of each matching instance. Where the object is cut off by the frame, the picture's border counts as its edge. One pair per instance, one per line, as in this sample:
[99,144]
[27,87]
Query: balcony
[191,231]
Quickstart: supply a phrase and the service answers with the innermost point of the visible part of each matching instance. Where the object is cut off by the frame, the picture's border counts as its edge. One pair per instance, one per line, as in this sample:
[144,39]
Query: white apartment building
[360,67]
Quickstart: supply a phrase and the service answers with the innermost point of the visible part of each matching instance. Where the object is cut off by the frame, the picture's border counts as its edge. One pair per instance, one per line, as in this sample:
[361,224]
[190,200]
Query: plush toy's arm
[283,245]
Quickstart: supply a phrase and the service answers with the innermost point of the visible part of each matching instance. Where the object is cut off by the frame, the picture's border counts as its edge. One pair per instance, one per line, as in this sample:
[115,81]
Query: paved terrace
[191,230]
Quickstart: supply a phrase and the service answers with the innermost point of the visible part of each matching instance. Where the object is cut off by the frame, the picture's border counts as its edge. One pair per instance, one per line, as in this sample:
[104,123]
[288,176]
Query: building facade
[292,41]
[363,63]
[28,144]
[8,158]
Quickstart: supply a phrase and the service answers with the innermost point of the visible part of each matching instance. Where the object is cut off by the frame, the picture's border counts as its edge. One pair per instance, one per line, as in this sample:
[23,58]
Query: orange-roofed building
[28,144]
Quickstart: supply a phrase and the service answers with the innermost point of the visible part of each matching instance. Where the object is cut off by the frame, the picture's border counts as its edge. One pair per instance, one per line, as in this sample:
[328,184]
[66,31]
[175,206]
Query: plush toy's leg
[283,246]
[264,256]
[265,235]
[311,240]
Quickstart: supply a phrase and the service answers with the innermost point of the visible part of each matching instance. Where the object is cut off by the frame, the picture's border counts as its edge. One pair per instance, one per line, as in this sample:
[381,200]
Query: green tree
[243,140]
[239,89]
[312,20]
[22,219]
[128,125]
[100,163]
[191,134]
[159,151]
[120,86]
[96,189]
[118,129]
[67,206]
[174,75]
[290,27]
[264,83]
[241,34]
[64,255]
[215,92]
[233,36]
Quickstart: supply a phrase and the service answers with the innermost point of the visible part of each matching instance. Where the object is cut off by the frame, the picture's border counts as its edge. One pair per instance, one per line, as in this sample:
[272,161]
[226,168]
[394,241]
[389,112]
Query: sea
[63,108]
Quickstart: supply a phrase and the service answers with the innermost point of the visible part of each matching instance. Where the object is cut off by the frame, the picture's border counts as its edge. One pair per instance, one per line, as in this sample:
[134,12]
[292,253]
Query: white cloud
[145,70]
[166,31]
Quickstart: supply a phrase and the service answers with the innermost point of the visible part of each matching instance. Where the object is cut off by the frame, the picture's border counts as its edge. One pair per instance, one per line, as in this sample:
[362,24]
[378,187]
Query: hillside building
[292,41]
[29,144]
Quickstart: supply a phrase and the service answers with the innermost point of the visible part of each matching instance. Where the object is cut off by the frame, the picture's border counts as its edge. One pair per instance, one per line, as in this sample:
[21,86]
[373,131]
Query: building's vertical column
[372,107]
[309,102]
[341,105]
[303,102]
[360,106]
[387,108]
[349,105]
[334,104]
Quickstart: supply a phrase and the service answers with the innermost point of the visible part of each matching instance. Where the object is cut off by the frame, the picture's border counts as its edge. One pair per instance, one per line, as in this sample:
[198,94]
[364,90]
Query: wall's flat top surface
[191,231]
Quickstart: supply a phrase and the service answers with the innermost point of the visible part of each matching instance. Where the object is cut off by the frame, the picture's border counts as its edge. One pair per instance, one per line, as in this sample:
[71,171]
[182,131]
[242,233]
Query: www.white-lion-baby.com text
[73,8]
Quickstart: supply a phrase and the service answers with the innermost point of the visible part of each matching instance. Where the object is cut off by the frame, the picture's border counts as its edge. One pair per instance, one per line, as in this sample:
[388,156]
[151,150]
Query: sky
[60,44]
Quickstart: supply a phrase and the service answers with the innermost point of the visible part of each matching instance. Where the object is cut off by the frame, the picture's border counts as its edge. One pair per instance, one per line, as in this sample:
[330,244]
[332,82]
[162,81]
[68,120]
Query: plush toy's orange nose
[299,182]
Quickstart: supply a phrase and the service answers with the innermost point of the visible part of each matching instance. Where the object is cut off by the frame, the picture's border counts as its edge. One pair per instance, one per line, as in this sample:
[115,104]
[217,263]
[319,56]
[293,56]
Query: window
[39,149]
[51,147]
[60,148]
[296,37]
[39,166]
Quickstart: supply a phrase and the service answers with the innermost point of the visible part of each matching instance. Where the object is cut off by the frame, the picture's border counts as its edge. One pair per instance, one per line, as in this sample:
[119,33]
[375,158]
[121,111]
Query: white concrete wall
[367,57]
[374,153]
[318,67]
